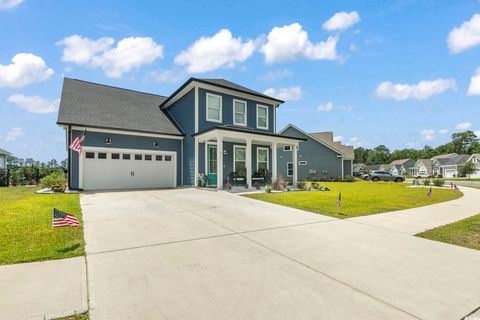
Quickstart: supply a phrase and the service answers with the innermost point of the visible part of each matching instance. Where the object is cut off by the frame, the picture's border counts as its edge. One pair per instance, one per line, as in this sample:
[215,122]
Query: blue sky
[399,73]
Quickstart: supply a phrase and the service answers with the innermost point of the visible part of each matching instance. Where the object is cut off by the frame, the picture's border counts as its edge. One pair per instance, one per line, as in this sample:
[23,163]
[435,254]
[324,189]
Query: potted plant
[202,180]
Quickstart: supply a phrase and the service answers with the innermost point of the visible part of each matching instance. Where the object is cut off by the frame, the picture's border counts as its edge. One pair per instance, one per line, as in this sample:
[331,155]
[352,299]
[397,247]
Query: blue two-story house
[140,140]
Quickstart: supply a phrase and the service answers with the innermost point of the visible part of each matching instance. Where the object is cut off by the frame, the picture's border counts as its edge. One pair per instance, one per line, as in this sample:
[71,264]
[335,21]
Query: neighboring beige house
[422,168]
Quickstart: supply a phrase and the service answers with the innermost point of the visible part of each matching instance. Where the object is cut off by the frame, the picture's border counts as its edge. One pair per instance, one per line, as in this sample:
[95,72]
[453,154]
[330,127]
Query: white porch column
[274,161]
[248,161]
[219,162]
[195,182]
[295,164]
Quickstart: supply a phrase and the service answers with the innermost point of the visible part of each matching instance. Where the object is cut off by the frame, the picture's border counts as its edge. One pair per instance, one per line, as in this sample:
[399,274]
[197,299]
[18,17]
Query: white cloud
[9,4]
[443,131]
[286,94]
[82,50]
[422,90]
[276,75]
[210,53]
[171,76]
[13,134]
[289,42]
[341,21]
[338,138]
[34,104]
[428,134]
[25,68]
[474,88]
[129,53]
[463,126]
[355,142]
[325,107]
[466,36]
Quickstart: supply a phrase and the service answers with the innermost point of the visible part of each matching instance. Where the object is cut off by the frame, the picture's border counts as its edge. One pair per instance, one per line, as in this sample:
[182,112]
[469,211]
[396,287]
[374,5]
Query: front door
[212,164]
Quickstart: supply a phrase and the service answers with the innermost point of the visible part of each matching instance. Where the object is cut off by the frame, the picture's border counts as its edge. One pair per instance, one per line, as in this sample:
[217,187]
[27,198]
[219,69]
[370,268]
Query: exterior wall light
[108,141]
[155,144]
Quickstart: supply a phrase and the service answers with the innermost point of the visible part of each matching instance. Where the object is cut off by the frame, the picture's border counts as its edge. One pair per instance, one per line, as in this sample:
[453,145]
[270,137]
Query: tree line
[462,143]
[14,162]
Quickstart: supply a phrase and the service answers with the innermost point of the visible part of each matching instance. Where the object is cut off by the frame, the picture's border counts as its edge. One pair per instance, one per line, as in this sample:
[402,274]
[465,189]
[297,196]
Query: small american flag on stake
[63,219]
[429,193]
[339,200]
[456,188]
[77,143]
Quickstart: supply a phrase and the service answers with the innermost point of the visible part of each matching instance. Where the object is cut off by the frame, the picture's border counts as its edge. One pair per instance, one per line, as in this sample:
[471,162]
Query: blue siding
[124,141]
[319,158]
[227,111]
[183,111]
[347,167]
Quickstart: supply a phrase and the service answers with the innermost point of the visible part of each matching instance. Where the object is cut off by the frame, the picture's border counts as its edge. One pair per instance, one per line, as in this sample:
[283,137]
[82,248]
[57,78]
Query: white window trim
[289,148]
[302,163]
[221,107]
[235,147]
[289,163]
[265,107]
[245,104]
[268,157]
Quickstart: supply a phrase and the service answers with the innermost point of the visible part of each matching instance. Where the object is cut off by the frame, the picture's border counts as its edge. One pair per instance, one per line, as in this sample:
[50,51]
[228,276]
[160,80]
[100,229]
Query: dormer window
[214,108]
[239,113]
[262,117]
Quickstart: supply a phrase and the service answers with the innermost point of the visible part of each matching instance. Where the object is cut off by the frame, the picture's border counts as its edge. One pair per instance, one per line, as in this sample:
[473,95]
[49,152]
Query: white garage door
[127,169]
[449,173]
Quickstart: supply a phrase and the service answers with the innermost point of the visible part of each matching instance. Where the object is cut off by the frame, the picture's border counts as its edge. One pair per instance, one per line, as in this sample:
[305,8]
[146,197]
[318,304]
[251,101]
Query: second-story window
[262,117]
[239,113]
[214,108]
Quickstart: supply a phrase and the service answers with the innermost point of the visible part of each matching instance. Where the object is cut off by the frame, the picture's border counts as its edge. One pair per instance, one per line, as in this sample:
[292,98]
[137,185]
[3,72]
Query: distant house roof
[327,138]
[456,160]
[222,83]
[399,162]
[385,167]
[374,167]
[2,151]
[444,156]
[357,167]
[95,105]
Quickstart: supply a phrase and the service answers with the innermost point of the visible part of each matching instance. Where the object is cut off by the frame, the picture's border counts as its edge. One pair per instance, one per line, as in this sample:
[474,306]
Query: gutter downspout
[69,165]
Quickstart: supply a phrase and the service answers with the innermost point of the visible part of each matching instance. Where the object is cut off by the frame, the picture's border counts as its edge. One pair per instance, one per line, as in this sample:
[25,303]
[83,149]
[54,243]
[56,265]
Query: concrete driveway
[191,254]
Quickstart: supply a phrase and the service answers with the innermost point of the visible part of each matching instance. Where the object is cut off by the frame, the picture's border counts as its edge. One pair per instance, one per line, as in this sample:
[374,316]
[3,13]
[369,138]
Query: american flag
[77,143]
[339,200]
[429,193]
[63,219]
[456,188]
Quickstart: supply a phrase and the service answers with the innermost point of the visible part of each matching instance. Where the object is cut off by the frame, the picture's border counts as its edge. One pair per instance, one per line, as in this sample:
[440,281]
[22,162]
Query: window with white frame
[262,158]
[239,112]
[289,169]
[239,158]
[262,117]
[214,108]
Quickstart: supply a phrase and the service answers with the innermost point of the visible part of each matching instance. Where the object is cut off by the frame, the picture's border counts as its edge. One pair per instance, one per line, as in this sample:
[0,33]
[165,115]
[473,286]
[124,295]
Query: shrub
[349,179]
[268,188]
[279,184]
[315,185]
[426,182]
[438,182]
[55,181]
[302,185]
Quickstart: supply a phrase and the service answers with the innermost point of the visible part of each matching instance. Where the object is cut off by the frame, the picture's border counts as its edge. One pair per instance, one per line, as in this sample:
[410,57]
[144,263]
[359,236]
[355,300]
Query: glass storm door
[212,164]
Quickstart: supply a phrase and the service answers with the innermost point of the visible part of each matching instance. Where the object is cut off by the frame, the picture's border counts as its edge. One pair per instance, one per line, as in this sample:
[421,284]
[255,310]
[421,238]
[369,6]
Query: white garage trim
[173,154]
[128,133]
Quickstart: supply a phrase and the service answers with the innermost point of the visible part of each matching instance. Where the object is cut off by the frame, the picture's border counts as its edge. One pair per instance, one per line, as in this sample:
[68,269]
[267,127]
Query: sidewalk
[43,290]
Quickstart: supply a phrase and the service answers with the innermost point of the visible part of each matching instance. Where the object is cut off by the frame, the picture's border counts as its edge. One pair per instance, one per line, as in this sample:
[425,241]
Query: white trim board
[268,157]
[127,133]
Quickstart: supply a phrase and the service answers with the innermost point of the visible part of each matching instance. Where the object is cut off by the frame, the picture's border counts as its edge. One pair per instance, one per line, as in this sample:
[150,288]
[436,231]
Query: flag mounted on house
[63,219]
[77,143]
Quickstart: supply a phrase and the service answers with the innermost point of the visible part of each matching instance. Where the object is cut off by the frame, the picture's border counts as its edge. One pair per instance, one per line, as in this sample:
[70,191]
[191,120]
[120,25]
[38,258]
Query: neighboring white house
[3,158]
[422,168]
[401,167]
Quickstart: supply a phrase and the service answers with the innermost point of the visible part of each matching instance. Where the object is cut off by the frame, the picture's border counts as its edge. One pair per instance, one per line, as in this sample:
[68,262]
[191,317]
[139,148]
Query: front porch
[240,157]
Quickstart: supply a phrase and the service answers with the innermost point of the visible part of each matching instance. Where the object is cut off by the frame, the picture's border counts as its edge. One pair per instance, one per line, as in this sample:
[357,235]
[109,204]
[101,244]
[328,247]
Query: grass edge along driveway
[465,233]
[26,232]
[358,198]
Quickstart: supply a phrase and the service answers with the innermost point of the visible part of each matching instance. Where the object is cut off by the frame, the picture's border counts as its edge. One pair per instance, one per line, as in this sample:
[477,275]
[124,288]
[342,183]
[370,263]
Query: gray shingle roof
[228,84]
[90,104]
[457,160]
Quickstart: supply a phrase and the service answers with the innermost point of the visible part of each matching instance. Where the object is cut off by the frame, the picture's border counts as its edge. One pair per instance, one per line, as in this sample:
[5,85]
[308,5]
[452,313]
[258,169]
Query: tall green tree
[464,142]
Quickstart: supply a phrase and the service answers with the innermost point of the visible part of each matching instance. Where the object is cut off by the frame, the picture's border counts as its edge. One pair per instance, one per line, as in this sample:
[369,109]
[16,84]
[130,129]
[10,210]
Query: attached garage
[109,168]
[450,173]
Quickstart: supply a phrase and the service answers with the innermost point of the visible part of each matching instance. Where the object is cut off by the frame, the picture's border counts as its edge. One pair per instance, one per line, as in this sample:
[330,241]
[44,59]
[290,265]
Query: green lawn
[465,233]
[358,198]
[26,232]
[81,316]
